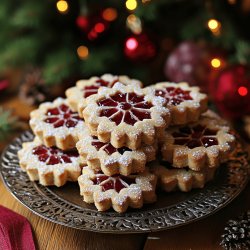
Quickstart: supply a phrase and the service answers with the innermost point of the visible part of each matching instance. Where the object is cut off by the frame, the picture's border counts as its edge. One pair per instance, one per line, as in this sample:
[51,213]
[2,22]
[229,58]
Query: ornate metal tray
[65,206]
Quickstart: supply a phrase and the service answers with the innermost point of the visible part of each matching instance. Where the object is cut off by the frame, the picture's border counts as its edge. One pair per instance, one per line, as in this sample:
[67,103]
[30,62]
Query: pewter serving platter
[65,205]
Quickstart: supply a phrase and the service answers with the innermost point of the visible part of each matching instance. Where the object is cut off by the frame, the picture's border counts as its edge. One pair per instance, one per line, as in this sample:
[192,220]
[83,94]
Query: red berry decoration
[188,62]
[139,48]
[231,91]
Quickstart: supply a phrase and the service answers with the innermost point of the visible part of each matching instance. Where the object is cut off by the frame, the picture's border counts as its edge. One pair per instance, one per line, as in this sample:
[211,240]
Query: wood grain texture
[48,235]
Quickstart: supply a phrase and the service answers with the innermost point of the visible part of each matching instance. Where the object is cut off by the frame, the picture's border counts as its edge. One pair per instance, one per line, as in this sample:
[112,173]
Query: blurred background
[45,46]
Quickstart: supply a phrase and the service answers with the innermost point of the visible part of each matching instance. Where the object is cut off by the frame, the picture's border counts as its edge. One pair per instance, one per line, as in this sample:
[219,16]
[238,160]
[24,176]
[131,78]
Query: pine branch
[147,12]
[7,122]
[26,17]
[100,60]
[19,52]
[242,54]
[59,65]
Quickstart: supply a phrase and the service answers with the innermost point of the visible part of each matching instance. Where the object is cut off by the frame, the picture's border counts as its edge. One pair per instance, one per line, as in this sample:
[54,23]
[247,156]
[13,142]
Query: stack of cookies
[120,141]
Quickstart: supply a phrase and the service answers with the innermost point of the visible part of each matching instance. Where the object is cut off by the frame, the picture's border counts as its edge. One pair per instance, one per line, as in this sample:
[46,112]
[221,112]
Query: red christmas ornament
[188,62]
[139,48]
[230,91]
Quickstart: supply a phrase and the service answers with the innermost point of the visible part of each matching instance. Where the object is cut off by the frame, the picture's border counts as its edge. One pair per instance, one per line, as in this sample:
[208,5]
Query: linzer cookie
[185,103]
[49,166]
[126,116]
[206,143]
[84,88]
[103,156]
[183,179]
[56,124]
[119,192]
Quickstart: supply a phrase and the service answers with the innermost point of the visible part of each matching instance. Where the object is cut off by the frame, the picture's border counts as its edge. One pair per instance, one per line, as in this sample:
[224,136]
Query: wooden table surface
[204,234]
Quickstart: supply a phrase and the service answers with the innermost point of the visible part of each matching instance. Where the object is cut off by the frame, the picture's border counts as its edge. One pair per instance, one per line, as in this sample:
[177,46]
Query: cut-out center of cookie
[116,182]
[53,155]
[125,107]
[196,136]
[107,147]
[93,89]
[62,116]
[174,96]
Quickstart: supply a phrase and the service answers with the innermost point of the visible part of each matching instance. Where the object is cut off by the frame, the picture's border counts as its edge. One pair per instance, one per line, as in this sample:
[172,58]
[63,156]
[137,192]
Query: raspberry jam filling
[116,182]
[53,155]
[125,107]
[62,116]
[174,96]
[196,136]
[93,89]
[107,147]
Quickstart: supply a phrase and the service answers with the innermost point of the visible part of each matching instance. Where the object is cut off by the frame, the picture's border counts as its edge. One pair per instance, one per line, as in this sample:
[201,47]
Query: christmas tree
[82,38]
[145,39]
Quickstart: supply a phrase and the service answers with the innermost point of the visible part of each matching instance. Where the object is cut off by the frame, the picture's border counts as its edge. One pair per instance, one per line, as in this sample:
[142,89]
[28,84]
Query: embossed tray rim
[112,215]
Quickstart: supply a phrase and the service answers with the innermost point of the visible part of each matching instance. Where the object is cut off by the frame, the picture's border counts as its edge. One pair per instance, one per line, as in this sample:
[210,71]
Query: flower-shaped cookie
[49,166]
[111,160]
[185,103]
[183,179]
[203,144]
[119,192]
[56,124]
[126,116]
[84,88]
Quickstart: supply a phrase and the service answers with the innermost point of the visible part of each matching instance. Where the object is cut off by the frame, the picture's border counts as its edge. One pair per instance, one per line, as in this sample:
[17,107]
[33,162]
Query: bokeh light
[62,6]
[134,24]
[243,91]
[83,52]
[109,14]
[213,24]
[131,4]
[99,27]
[216,62]
[131,43]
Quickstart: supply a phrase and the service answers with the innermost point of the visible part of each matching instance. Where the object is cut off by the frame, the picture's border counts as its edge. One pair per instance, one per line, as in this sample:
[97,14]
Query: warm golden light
[213,24]
[131,4]
[109,14]
[82,52]
[134,24]
[62,6]
[216,62]
[131,18]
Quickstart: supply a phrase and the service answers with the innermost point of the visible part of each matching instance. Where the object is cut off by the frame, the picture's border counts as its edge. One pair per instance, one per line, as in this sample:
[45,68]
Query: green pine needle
[242,51]
[7,122]
[26,17]
[59,65]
